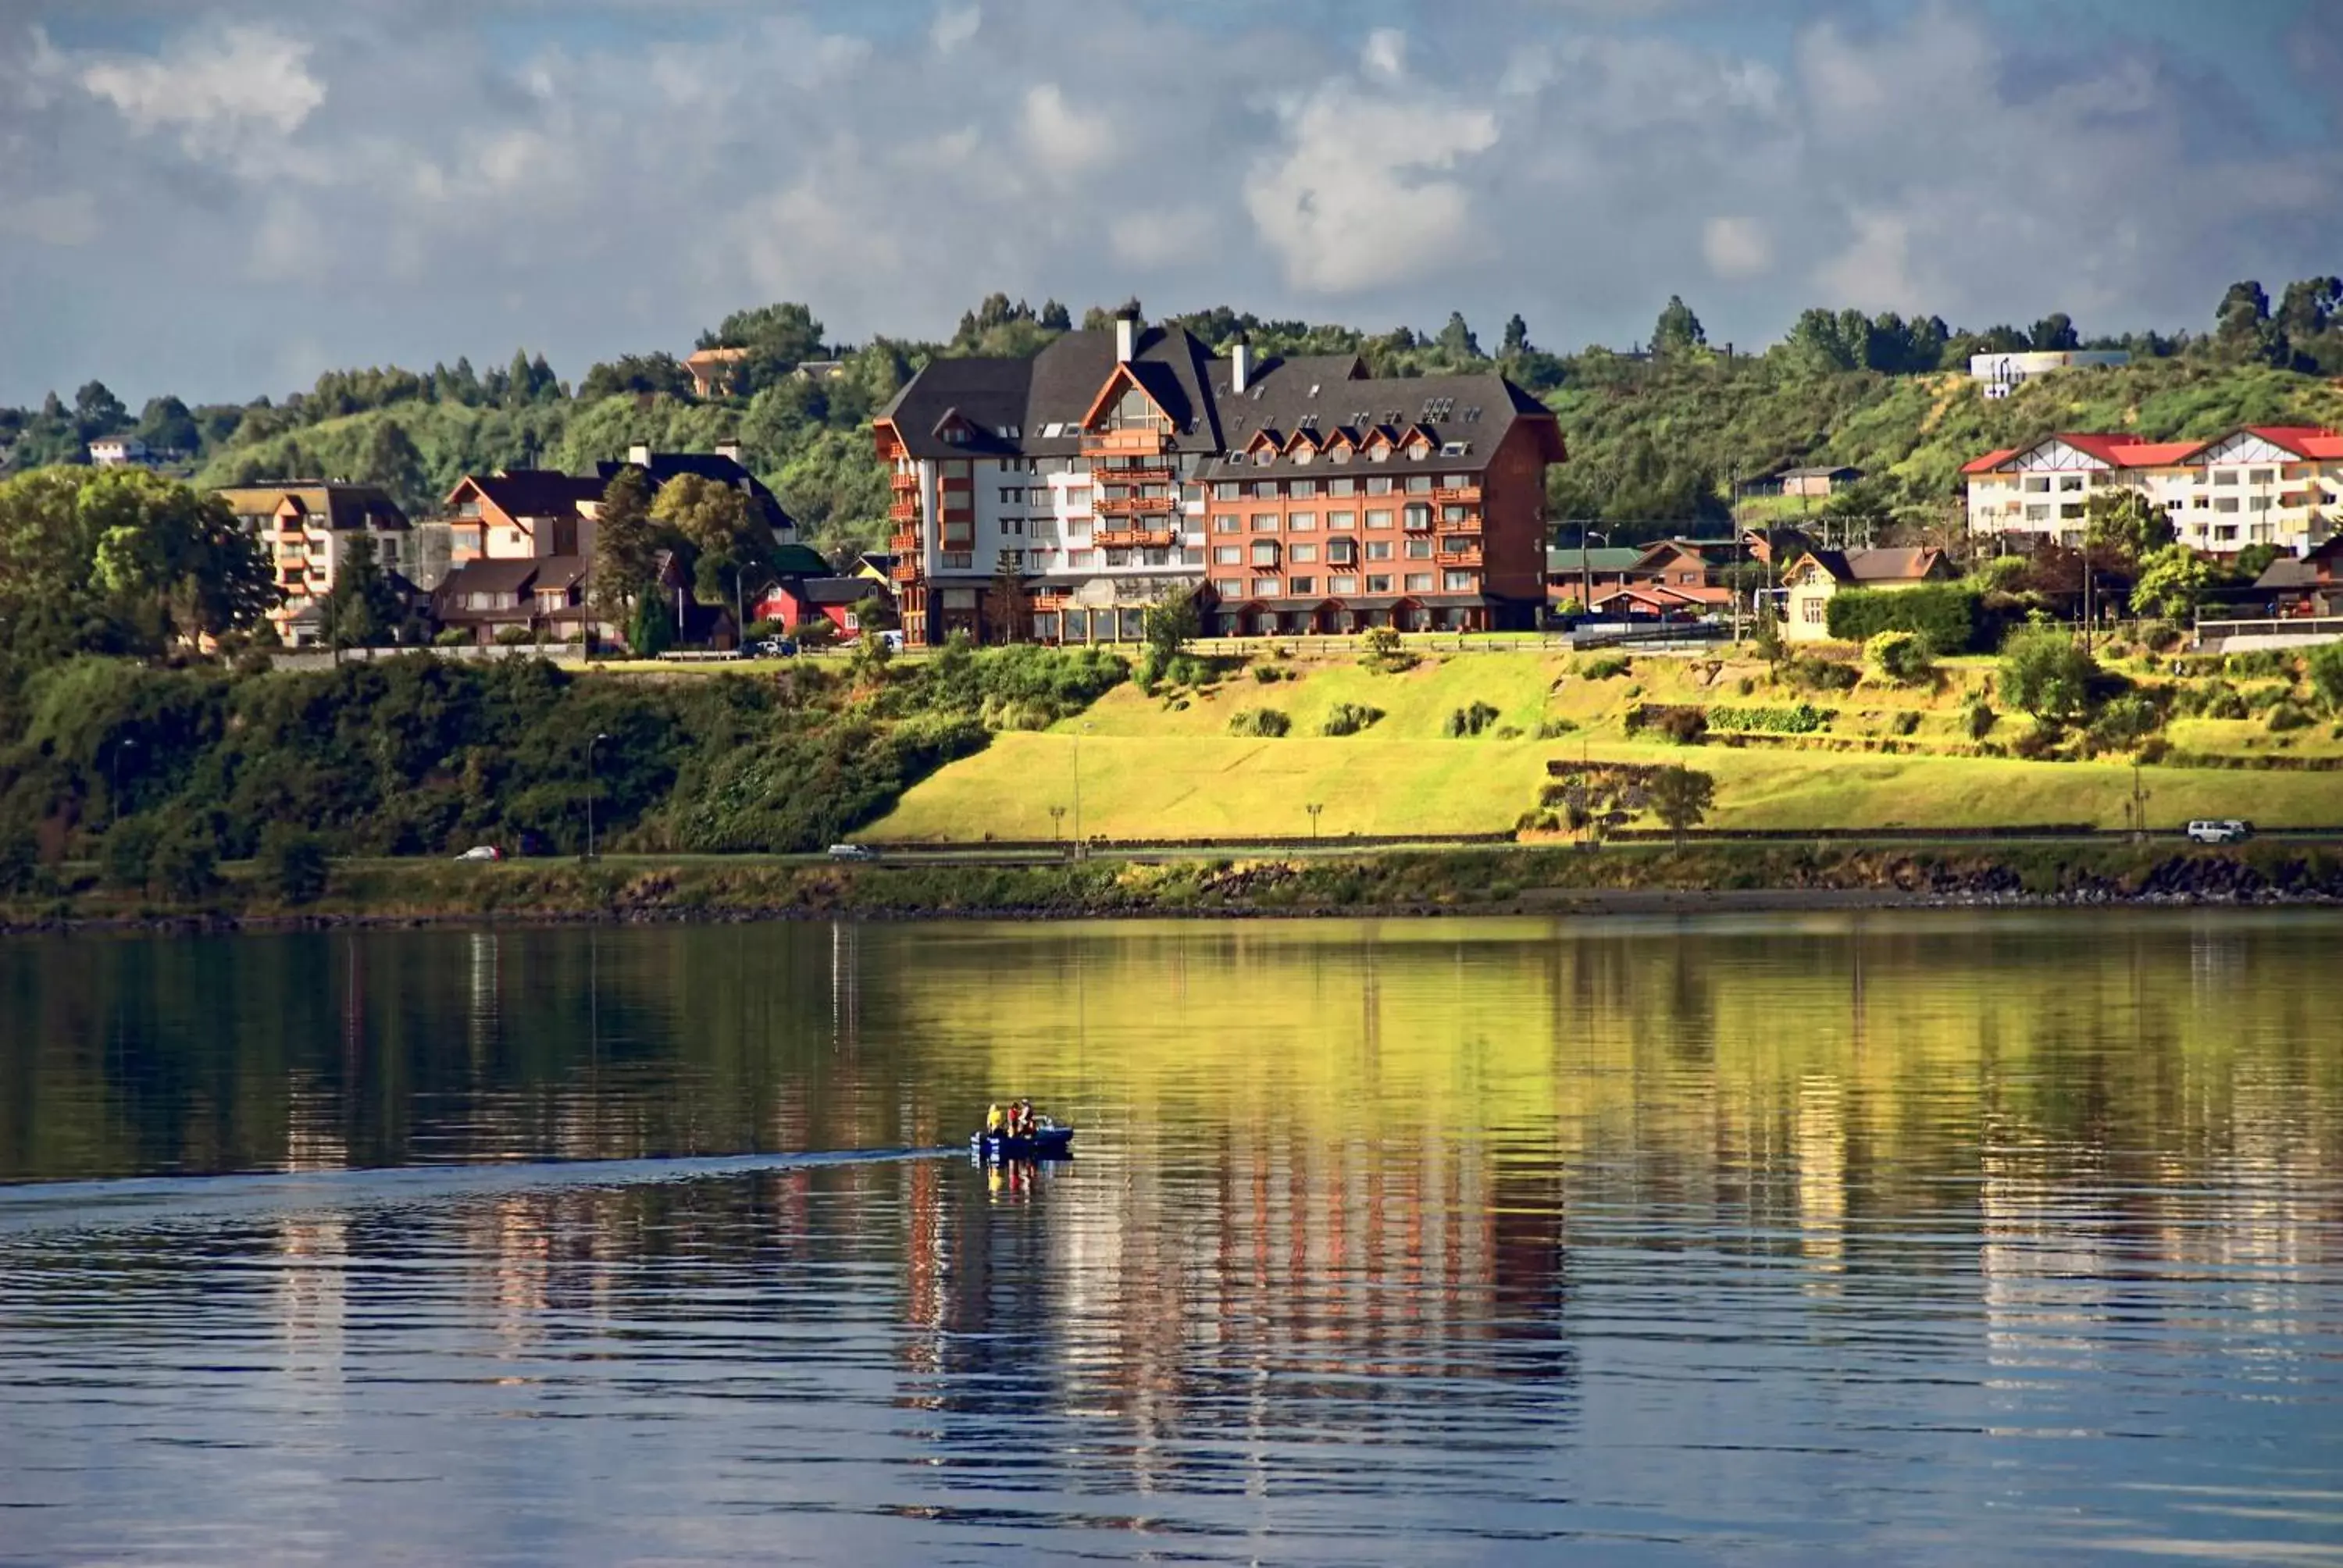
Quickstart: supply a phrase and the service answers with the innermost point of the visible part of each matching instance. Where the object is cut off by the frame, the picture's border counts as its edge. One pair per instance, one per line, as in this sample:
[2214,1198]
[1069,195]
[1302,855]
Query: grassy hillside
[1168,767]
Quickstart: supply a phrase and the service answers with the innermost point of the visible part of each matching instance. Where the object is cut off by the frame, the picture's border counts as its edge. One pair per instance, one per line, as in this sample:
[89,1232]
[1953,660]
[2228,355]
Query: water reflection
[1930,1237]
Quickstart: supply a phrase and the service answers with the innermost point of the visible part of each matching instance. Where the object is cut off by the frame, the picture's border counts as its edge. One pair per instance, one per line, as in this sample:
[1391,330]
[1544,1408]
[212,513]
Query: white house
[2005,373]
[2258,485]
[119,452]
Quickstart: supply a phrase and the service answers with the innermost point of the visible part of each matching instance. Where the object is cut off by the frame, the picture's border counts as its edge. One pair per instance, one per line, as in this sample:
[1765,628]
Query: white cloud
[1736,247]
[954,25]
[65,218]
[1361,197]
[212,88]
[1156,237]
[1385,58]
[1064,140]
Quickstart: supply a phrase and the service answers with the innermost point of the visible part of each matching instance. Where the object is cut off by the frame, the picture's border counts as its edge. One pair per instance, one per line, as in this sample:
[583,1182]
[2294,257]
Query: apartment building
[2256,485]
[1056,496]
[306,529]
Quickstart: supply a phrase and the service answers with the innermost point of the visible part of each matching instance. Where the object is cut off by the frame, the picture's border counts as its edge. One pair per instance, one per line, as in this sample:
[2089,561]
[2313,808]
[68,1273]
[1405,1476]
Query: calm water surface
[1879,1240]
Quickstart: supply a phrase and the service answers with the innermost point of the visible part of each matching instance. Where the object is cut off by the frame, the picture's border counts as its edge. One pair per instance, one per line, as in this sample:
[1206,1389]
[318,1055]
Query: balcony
[904,541]
[1152,474]
[904,512]
[1136,538]
[1460,495]
[1135,506]
[1124,443]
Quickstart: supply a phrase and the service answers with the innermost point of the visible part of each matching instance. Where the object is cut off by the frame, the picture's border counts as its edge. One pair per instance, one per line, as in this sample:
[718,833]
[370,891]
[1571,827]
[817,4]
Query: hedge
[1804,720]
[1949,615]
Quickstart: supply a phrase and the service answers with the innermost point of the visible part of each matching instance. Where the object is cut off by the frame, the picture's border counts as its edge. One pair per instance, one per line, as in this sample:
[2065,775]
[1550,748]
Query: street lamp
[1078,790]
[1586,570]
[127,743]
[1057,821]
[597,740]
[1314,809]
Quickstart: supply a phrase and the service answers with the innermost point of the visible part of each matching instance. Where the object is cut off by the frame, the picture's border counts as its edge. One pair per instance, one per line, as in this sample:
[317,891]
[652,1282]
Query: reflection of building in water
[486,1012]
[312,1280]
[1822,1171]
[314,1138]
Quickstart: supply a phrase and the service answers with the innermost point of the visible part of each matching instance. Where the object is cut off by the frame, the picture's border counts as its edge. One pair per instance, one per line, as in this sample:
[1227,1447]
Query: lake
[1915,1238]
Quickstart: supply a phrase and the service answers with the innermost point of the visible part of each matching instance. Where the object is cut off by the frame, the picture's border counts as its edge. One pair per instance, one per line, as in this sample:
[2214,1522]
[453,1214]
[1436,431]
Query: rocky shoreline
[1382,886]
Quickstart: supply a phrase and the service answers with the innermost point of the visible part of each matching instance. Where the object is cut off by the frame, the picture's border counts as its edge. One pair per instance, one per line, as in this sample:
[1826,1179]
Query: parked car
[482,852]
[2220,830]
[893,639]
[777,647]
[852,853]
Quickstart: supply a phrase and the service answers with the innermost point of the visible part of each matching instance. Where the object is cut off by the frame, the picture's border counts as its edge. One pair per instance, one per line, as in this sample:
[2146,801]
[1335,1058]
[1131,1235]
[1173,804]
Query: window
[1265,490]
[1379,517]
[1341,522]
[1418,582]
[1342,486]
[2258,504]
[1229,587]
[468,509]
[2200,503]
[1457,448]
[1192,557]
[2038,485]
[1342,584]
[1379,486]
[2224,476]
[1118,558]
[1458,582]
[1379,454]
[1419,484]
[1228,555]
[1226,489]
[1264,587]
[2262,476]
[955,468]
[1080,558]
[1265,552]
[1302,489]
[1417,514]
[2224,532]
[1454,481]
[2038,514]
[1302,552]
[1012,558]
[1338,455]
[2071,509]
[1341,552]
[1264,522]
[1379,549]
[1378,585]
[1811,612]
[1226,523]
[959,560]
[1419,547]
[1011,495]
[2070,481]
[1262,459]
[1300,586]
[1301,523]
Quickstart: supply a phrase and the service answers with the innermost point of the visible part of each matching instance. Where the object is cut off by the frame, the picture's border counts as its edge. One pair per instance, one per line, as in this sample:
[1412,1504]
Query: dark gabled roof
[1474,410]
[2288,572]
[1602,558]
[560,572]
[488,577]
[533,492]
[1879,566]
[662,466]
[986,394]
[1054,387]
[341,505]
[833,591]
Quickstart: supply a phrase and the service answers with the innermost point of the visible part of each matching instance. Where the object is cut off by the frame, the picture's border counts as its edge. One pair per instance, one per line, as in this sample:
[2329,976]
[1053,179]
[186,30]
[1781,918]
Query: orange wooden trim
[1121,373]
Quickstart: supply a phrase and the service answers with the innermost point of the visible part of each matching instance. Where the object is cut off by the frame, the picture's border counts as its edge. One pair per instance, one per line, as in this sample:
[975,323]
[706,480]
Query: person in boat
[1024,1119]
[993,1118]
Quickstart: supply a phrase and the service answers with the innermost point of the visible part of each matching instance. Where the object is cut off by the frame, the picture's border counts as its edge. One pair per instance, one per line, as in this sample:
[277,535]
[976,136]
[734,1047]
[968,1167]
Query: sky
[223,199]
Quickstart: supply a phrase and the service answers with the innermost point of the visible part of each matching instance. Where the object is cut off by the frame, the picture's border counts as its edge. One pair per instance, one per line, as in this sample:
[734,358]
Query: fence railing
[2307,627]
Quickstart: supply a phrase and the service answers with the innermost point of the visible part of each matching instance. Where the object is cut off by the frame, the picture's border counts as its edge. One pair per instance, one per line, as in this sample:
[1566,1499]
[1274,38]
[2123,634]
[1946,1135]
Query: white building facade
[2277,485]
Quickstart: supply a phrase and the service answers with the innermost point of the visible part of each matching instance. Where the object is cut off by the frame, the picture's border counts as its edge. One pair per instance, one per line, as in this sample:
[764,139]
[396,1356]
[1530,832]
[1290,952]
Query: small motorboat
[1048,1141]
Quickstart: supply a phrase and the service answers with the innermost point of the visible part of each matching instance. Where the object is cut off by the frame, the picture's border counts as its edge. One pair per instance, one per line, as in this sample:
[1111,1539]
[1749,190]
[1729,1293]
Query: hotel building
[1055,498]
[2258,485]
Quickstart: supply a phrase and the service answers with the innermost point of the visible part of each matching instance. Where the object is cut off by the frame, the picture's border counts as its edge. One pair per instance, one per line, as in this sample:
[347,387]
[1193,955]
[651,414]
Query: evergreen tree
[390,458]
[653,630]
[363,608]
[2054,333]
[1456,338]
[1055,316]
[1516,341]
[1678,331]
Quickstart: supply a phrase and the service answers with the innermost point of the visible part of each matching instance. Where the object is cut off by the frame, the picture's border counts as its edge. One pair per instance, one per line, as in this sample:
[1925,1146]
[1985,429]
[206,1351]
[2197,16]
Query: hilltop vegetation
[1657,436]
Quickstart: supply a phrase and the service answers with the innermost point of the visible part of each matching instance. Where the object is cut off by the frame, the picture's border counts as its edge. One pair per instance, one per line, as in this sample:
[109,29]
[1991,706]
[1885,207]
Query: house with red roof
[2278,485]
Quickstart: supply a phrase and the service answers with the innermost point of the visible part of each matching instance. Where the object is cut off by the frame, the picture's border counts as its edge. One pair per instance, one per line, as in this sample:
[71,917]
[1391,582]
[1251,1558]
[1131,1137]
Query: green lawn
[1165,768]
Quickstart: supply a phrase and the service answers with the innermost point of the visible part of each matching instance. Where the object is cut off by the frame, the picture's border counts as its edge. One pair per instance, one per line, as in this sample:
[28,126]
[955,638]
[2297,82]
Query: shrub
[1464,722]
[186,861]
[1947,615]
[514,636]
[1380,650]
[2285,716]
[20,858]
[1906,723]
[450,637]
[2037,741]
[816,631]
[2324,668]
[127,853]
[2047,673]
[1821,675]
[758,630]
[1803,720]
[1270,674]
[1900,656]
[1604,668]
[1977,719]
[292,864]
[1553,727]
[2124,722]
[1264,722]
[2261,664]
[1745,686]
[1349,718]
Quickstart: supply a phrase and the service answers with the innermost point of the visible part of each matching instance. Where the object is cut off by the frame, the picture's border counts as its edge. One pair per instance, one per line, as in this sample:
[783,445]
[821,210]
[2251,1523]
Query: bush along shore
[263,894]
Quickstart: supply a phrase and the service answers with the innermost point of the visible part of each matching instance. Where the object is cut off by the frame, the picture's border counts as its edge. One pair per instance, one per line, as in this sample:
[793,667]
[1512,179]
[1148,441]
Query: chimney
[729,449]
[639,456]
[1126,335]
[1240,366]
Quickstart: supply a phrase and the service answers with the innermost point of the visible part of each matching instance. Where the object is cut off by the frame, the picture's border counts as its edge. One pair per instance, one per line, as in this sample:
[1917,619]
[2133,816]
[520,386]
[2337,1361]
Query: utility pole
[2086,591]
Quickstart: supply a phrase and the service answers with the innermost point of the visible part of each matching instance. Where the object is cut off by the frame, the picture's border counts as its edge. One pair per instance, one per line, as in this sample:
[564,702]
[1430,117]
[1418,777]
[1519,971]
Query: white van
[2220,830]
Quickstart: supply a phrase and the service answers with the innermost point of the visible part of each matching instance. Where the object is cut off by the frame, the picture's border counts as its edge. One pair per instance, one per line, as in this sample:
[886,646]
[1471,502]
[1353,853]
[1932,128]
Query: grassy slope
[1152,771]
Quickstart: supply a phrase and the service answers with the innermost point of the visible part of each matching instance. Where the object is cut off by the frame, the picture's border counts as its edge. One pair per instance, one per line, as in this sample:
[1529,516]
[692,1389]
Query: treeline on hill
[160,773]
[1657,435]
